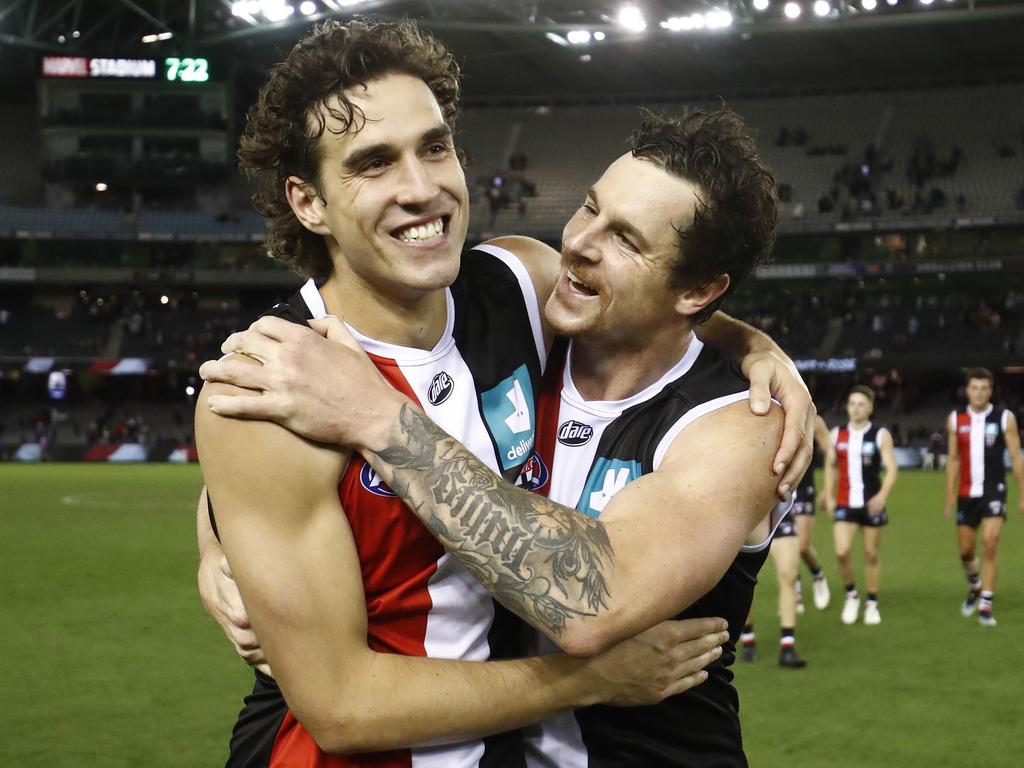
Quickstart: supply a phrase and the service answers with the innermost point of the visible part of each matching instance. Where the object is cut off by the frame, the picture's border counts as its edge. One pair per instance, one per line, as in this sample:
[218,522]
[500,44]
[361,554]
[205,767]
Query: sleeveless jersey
[982,442]
[860,463]
[587,452]
[806,485]
[420,601]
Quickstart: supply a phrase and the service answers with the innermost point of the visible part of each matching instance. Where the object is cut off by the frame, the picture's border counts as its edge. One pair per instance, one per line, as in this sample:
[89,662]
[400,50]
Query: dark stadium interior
[897,140]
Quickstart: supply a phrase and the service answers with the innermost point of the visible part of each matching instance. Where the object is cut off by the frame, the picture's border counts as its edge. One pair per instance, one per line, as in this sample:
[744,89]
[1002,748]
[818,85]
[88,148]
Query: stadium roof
[516,49]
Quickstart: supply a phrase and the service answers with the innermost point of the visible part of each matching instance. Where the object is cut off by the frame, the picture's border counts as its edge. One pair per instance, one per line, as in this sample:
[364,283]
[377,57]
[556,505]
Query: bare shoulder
[729,437]
[259,455]
[540,260]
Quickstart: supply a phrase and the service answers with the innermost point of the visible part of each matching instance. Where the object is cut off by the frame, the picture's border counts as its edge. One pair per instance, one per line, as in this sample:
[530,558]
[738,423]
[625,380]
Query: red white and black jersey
[981,438]
[587,452]
[859,461]
[420,601]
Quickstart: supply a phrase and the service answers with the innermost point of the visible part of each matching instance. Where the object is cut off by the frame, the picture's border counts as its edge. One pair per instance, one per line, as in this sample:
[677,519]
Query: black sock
[872,597]
[788,638]
[974,579]
[816,572]
[851,589]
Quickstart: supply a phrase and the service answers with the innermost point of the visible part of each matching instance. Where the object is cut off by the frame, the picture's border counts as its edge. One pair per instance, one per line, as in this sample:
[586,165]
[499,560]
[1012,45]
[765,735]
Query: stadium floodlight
[926,2]
[190,390]
[792,10]
[761,5]
[76,34]
[155,38]
[164,299]
[101,186]
[308,8]
[556,38]
[891,2]
[578,36]
[716,18]
[677,24]
[245,8]
[276,10]
[599,36]
[632,18]
[869,5]
[822,8]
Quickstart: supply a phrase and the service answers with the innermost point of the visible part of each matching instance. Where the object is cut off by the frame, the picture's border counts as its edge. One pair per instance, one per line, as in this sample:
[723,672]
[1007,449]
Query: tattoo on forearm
[541,560]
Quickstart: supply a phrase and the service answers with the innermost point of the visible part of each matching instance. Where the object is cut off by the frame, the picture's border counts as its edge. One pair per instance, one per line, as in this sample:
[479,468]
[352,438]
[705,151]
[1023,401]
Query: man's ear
[306,204]
[693,300]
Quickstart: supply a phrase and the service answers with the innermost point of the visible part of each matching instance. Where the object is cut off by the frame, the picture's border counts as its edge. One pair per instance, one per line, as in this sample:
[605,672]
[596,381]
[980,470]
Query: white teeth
[423,232]
[573,278]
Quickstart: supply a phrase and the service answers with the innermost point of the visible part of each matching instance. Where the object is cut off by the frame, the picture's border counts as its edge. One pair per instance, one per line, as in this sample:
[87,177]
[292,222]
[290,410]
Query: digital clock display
[187,70]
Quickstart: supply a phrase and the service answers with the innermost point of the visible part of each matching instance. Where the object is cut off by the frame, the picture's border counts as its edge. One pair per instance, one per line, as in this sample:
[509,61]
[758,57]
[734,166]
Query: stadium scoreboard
[174,69]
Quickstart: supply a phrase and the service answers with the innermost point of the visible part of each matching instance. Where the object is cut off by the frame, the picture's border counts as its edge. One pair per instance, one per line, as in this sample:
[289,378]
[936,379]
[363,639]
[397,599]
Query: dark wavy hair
[283,128]
[737,213]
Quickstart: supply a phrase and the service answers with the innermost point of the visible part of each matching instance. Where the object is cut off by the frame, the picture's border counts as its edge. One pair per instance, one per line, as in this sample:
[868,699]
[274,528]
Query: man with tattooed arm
[657,475]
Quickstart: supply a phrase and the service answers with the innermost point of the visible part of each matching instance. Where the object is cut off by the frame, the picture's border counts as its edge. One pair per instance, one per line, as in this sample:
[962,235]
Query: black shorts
[971,512]
[860,516]
[787,527]
[803,501]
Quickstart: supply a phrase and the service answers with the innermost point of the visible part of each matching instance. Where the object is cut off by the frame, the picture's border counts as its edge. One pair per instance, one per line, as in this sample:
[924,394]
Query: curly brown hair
[734,227]
[284,126]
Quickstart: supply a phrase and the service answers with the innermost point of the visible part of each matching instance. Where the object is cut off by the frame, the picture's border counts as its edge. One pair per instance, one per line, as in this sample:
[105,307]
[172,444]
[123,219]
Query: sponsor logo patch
[573,433]
[509,412]
[607,478]
[371,481]
[534,473]
[441,387]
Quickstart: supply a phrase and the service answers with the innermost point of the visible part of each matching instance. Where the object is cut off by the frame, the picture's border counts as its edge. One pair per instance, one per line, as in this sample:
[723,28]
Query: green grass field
[110,661]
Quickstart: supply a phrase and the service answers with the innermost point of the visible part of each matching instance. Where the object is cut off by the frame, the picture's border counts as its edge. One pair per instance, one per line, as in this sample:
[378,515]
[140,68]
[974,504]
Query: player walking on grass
[803,513]
[857,502]
[978,436]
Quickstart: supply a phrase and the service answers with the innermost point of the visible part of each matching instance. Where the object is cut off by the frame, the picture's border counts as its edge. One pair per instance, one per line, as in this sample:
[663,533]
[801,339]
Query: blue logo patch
[534,473]
[371,481]
[608,477]
[509,413]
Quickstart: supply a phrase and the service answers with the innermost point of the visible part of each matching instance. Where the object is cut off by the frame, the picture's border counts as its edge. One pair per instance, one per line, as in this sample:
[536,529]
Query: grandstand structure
[128,250]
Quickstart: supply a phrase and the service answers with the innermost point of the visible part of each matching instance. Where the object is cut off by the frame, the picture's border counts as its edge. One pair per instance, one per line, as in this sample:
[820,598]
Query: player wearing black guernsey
[979,436]
[855,496]
[654,522]
[803,512]
[368,194]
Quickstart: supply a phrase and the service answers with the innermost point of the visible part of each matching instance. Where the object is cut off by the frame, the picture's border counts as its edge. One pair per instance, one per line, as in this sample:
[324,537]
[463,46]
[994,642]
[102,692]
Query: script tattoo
[543,561]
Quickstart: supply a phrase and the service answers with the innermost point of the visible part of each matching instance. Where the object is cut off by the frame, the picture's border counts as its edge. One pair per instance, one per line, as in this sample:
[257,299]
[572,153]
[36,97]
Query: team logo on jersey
[440,388]
[371,481]
[573,433]
[606,478]
[868,449]
[991,433]
[509,412]
[996,507]
[534,473]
